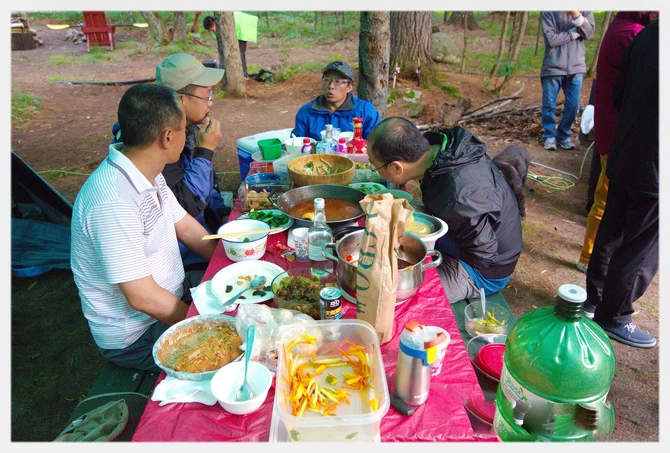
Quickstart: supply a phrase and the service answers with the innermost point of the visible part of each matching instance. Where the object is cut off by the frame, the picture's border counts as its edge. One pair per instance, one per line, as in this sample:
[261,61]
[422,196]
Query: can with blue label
[331,303]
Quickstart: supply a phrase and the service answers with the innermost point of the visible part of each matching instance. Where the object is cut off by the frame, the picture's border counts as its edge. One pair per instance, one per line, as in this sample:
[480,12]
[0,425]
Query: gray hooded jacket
[564,51]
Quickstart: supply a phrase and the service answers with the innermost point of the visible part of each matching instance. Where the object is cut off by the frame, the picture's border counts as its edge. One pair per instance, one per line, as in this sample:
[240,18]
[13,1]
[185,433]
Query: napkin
[206,301]
[173,390]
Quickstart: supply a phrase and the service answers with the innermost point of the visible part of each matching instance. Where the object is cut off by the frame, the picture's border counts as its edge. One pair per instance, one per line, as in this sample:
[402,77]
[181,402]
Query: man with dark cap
[336,105]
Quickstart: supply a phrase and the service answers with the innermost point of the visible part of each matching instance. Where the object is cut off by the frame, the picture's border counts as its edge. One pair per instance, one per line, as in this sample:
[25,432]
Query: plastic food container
[270,148]
[356,422]
[478,323]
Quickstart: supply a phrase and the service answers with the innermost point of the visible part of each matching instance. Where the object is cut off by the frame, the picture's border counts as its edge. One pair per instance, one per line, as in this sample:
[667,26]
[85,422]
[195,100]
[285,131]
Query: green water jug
[555,361]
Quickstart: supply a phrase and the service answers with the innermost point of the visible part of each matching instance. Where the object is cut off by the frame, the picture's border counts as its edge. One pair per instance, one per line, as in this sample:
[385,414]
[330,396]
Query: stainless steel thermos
[412,378]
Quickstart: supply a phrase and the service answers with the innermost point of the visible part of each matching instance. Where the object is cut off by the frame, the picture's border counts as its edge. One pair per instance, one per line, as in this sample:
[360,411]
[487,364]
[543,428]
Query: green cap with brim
[181,69]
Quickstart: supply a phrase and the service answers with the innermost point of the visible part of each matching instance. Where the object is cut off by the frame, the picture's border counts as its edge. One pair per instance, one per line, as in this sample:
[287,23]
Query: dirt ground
[73,129]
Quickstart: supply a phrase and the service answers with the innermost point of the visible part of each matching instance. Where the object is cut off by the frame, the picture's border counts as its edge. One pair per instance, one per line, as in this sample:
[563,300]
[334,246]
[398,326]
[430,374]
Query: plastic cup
[301,246]
[436,366]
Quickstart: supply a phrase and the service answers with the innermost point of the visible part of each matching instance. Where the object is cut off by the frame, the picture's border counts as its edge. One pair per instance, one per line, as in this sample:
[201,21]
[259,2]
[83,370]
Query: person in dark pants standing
[625,253]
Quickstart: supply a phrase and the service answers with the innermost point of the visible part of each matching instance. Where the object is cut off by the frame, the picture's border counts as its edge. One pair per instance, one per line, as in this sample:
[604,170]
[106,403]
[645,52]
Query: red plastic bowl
[490,359]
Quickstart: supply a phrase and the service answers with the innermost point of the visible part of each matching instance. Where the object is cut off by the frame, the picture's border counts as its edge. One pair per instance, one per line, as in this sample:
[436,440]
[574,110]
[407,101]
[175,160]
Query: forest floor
[54,361]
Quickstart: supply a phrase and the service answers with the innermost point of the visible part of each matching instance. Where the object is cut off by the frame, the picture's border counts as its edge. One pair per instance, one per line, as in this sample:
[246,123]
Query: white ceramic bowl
[294,145]
[228,380]
[245,247]
[438,228]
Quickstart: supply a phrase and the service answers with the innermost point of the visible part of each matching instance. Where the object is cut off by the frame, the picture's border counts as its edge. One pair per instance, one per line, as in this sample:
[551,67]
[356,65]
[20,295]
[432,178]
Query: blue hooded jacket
[312,117]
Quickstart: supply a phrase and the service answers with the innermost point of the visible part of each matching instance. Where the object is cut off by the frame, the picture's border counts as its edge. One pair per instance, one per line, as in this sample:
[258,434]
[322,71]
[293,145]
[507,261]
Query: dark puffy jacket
[465,189]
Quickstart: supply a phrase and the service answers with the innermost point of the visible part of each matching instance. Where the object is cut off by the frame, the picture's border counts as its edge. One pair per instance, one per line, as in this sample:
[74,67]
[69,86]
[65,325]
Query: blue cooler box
[246,146]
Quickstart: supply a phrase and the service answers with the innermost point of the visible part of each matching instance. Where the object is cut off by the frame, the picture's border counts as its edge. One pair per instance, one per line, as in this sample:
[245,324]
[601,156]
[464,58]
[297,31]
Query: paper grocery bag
[377,272]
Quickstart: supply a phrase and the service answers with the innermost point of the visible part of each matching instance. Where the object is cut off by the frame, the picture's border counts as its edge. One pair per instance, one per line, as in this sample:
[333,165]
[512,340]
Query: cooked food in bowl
[336,209]
[298,289]
[200,347]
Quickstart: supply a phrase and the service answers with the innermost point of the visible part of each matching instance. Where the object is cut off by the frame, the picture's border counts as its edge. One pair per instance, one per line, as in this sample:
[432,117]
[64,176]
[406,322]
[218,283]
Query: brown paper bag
[377,272]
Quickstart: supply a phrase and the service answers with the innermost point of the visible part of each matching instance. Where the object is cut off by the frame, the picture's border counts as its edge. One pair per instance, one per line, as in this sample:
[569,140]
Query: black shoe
[629,334]
[589,310]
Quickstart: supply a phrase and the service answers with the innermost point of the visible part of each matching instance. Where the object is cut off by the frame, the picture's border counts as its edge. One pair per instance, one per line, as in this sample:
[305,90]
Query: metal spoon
[245,392]
[255,283]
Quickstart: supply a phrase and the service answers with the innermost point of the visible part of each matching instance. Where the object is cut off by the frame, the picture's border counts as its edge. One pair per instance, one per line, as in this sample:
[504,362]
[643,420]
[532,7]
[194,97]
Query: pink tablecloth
[442,418]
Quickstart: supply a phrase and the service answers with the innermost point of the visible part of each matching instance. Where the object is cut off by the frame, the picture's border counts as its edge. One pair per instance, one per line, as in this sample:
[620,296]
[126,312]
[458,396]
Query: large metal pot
[411,250]
[288,199]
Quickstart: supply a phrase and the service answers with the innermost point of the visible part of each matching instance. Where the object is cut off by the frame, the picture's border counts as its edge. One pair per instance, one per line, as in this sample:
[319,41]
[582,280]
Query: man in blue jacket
[192,179]
[336,105]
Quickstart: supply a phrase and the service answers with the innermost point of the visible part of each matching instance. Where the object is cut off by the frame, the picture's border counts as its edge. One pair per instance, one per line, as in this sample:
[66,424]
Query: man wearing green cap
[192,179]
[461,185]
[336,105]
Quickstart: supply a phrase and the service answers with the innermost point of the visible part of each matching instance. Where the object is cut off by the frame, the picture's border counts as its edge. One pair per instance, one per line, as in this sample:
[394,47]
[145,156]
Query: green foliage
[450,90]
[410,94]
[286,72]
[96,55]
[54,78]
[24,105]
[296,28]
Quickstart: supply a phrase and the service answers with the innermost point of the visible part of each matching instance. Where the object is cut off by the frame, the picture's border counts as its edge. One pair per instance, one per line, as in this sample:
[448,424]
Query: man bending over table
[125,226]
[462,186]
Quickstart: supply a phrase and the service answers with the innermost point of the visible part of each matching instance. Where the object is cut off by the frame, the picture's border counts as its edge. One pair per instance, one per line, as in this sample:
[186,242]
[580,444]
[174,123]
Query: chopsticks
[241,233]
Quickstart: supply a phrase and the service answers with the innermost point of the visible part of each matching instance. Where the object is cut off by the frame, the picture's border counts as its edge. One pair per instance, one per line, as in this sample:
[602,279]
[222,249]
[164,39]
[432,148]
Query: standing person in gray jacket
[563,67]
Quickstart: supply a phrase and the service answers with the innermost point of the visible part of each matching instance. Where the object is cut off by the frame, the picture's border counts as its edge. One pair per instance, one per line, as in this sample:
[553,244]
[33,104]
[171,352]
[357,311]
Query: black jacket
[633,157]
[465,189]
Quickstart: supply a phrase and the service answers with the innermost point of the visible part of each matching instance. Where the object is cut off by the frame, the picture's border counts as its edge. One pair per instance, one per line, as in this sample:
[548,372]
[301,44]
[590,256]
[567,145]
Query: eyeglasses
[374,170]
[337,83]
[209,99]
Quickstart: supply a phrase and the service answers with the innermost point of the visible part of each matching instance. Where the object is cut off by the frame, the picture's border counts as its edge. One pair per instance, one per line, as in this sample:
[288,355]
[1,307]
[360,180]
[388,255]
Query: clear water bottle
[330,145]
[306,146]
[555,360]
[318,235]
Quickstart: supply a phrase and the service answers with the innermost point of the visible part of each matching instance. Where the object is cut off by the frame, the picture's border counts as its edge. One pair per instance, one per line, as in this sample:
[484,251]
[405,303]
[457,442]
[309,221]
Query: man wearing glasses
[192,178]
[335,105]
[461,185]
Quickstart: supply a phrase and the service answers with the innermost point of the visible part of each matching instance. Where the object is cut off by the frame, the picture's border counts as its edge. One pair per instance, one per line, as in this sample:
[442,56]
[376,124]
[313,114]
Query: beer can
[330,303]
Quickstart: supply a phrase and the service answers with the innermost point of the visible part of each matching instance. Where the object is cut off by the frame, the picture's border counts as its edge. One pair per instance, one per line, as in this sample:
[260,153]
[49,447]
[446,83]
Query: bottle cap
[572,293]
[343,140]
[319,203]
[306,140]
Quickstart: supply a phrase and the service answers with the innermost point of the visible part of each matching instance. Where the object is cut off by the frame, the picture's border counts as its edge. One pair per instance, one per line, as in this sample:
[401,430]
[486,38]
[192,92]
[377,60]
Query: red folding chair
[97,31]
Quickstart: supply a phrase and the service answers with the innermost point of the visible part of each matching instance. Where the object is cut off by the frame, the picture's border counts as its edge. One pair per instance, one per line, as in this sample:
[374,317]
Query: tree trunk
[226,37]
[457,19]
[179,27]
[501,47]
[606,23]
[515,51]
[157,28]
[515,20]
[465,42]
[374,48]
[538,34]
[411,40]
[444,18]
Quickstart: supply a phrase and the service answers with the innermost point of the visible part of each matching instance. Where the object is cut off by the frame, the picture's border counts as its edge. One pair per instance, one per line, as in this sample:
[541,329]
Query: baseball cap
[181,69]
[341,67]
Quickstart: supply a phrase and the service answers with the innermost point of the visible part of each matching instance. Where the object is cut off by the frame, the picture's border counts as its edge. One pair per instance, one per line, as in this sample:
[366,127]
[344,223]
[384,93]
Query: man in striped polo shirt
[125,226]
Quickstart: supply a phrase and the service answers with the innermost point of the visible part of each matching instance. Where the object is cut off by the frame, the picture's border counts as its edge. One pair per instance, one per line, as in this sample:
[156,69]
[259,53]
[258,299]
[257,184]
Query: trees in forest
[229,54]
[411,40]
[373,55]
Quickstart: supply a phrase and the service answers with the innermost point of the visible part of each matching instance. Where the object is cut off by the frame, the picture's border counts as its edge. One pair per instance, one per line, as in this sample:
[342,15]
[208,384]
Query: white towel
[173,390]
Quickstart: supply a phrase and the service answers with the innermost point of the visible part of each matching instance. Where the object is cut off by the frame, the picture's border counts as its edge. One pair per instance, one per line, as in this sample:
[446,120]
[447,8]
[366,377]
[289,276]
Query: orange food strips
[305,392]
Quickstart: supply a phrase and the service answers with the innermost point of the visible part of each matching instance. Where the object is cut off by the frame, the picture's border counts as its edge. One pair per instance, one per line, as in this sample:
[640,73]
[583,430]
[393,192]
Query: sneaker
[582,267]
[589,310]
[629,334]
[550,143]
[566,144]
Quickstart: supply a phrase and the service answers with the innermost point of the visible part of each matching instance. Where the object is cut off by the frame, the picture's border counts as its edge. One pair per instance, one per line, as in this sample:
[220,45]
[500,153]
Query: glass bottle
[329,140]
[357,145]
[318,235]
[555,358]
[306,146]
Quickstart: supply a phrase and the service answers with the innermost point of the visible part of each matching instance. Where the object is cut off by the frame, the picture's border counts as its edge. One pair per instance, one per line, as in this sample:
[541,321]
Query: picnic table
[441,418]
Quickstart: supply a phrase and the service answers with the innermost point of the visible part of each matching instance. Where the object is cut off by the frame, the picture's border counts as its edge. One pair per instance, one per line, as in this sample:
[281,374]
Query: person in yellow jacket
[246,26]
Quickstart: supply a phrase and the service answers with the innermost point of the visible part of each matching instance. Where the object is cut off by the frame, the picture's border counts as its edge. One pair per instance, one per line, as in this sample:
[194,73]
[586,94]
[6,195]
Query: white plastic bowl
[228,380]
[294,145]
[239,249]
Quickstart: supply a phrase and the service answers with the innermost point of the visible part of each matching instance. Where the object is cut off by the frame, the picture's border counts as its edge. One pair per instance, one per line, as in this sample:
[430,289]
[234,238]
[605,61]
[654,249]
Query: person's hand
[574,14]
[210,133]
